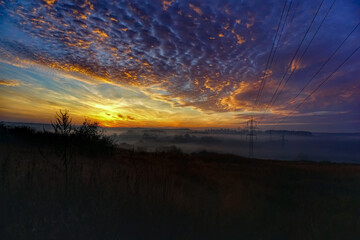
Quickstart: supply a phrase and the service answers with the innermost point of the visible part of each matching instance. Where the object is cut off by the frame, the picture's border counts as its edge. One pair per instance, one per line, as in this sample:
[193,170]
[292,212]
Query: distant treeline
[246,131]
[286,132]
[186,138]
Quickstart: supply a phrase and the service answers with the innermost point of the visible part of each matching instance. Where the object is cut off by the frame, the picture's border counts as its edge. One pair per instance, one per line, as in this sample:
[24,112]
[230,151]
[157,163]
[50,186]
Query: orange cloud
[195,8]
[167,4]
[240,39]
[10,83]
[100,33]
[50,2]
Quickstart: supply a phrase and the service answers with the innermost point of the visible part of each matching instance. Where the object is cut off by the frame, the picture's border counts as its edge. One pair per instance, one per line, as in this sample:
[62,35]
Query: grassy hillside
[121,194]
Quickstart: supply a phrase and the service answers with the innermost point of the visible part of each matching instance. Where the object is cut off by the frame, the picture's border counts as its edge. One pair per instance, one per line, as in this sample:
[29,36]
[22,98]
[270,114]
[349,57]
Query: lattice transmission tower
[251,125]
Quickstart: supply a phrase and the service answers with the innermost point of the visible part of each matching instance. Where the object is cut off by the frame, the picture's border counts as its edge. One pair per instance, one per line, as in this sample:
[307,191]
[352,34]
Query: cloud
[208,55]
[9,83]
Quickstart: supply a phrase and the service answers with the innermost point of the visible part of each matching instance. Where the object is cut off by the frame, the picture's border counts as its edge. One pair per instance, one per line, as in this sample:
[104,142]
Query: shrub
[90,139]
[89,130]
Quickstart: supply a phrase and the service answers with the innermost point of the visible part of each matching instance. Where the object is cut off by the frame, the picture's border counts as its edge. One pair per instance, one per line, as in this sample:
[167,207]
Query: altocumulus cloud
[205,54]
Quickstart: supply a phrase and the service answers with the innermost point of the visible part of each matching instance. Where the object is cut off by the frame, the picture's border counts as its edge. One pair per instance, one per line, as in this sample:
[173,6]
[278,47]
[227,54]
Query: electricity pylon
[251,124]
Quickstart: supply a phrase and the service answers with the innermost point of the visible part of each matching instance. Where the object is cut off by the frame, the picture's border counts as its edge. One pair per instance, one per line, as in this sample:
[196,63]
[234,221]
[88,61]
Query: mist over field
[315,147]
[306,146]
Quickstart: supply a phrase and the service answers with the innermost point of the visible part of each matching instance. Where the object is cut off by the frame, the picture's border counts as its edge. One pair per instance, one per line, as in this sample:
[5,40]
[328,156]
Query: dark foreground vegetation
[79,185]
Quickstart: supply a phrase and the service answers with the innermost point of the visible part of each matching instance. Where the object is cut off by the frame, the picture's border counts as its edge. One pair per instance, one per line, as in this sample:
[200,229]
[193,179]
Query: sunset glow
[178,63]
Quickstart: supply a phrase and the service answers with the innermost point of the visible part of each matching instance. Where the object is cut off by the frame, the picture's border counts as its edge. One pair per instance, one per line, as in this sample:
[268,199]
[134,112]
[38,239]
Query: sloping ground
[171,195]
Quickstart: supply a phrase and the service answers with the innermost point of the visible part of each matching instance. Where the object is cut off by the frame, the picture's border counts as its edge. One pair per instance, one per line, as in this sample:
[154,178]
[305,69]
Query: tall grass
[124,194]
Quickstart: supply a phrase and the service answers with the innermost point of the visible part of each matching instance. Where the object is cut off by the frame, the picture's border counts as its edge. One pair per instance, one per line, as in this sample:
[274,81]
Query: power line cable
[272,58]
[281,34]
[269,57]
[303,54]
[323,65]
[290,63]
[321,84]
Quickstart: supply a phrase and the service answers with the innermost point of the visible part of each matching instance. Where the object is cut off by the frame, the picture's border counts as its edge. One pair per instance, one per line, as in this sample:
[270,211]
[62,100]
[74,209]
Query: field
[123,194]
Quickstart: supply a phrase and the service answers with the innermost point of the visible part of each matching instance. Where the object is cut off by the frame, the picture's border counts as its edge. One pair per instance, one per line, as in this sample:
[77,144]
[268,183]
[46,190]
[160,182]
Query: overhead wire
[321,84]
[305,51]
[324,63]
[270,56]
[290,63]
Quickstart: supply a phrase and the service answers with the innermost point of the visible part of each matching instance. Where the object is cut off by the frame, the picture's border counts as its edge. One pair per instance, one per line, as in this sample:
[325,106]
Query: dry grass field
[170,195]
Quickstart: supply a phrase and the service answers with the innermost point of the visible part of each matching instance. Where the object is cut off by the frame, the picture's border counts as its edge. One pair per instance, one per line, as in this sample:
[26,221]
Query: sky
[288,64]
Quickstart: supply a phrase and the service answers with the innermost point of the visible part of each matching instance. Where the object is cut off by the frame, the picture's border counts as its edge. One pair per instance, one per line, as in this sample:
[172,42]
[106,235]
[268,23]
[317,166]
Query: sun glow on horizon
[174,63]
[110,105]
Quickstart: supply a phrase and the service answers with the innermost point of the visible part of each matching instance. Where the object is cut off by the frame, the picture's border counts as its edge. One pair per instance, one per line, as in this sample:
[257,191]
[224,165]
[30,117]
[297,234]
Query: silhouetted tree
[62,124]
